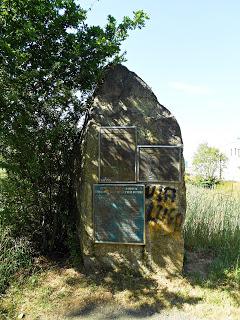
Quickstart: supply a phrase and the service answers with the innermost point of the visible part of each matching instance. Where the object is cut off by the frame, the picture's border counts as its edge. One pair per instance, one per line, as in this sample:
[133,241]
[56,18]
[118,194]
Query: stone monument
[130,189]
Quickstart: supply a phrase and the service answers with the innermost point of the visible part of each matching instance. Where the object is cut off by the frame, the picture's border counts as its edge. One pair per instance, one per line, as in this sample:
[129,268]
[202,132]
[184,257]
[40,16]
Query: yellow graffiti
[162,209]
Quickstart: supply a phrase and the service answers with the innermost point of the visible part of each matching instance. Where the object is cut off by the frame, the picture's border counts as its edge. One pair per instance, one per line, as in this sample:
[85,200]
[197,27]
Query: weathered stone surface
[124,99]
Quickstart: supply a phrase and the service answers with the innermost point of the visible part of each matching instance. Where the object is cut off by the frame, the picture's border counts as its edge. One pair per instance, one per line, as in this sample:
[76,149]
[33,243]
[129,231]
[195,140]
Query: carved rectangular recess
[119,213]
[117,154]
[159,163]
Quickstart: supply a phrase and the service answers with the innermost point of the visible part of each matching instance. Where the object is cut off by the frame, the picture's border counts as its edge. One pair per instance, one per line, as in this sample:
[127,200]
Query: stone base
[163,254]
[166,252]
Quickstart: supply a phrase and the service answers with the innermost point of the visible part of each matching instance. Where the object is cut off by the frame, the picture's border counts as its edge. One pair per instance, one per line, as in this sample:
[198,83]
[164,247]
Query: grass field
[213,224]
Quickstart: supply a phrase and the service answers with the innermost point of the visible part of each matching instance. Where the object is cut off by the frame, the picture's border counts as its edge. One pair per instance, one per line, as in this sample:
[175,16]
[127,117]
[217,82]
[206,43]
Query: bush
[208,183]
[15,254]
[203,182]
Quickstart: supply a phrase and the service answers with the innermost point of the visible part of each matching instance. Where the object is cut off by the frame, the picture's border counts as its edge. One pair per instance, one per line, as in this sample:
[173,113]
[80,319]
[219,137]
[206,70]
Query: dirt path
[112,312]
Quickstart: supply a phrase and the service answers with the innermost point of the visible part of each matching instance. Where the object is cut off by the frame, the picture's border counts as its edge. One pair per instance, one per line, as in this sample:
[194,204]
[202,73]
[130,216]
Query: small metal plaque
[119,213]
[117,154]
[159,163]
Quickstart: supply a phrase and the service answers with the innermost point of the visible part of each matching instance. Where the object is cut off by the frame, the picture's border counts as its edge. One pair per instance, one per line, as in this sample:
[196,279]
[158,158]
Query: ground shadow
[207,270]
[146,293]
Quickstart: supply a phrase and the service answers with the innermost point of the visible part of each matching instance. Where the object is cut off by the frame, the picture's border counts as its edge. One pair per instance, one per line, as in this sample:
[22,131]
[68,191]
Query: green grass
[213,223]
[61,292]
[15,255]
[2,173]
[229,187]
[15,252]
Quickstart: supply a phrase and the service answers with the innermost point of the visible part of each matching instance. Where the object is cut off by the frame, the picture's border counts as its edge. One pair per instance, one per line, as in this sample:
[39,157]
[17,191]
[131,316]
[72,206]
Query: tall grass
[15,254]
[213,222]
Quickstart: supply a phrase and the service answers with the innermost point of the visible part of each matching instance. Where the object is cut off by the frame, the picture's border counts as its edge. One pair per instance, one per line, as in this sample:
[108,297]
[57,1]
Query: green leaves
[47,53]
[209,162]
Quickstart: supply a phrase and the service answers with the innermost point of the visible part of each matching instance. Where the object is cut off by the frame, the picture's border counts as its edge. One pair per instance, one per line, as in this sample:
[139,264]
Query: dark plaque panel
[159,164]
[119,213]
[117,154]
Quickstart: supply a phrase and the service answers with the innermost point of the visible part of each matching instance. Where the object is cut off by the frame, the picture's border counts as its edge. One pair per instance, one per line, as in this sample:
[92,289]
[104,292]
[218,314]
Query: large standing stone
[123,99]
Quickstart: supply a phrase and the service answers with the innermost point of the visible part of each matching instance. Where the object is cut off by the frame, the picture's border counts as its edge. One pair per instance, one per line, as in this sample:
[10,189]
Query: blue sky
[189,54]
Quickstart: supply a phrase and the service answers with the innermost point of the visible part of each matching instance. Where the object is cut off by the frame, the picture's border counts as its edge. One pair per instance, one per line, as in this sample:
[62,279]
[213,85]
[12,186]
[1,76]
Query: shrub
[203,182]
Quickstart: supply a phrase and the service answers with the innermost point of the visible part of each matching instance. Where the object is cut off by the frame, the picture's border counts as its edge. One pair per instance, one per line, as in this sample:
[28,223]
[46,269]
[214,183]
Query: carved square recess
[159,163]
[117,154]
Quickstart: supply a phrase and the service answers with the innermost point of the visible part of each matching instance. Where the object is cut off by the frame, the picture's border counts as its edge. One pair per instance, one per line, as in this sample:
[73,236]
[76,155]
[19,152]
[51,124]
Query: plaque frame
[99,155]
[144,217]
[179,146]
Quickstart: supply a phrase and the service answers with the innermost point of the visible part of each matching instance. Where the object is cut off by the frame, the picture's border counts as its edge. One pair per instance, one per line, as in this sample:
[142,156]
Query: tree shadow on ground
[207,270]
[141,296]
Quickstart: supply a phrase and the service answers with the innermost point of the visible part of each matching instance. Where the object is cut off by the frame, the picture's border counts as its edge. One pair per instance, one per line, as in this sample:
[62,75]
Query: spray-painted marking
[162,207]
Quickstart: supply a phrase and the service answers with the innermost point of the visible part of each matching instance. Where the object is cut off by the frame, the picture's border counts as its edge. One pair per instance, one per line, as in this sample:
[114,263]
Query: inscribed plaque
[117,154]
[159,163]
[119,213]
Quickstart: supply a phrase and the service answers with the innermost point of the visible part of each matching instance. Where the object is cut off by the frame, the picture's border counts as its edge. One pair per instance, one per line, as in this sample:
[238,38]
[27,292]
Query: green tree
[209,162]
[50,63]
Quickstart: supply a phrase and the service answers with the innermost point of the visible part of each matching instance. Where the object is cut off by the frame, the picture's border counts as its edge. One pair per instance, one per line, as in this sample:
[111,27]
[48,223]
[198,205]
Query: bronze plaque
[159,163]
[117,154]
[119,213]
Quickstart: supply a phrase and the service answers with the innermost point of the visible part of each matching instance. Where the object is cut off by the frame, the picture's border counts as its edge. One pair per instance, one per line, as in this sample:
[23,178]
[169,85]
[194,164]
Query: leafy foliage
[209,163]
[50,62]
